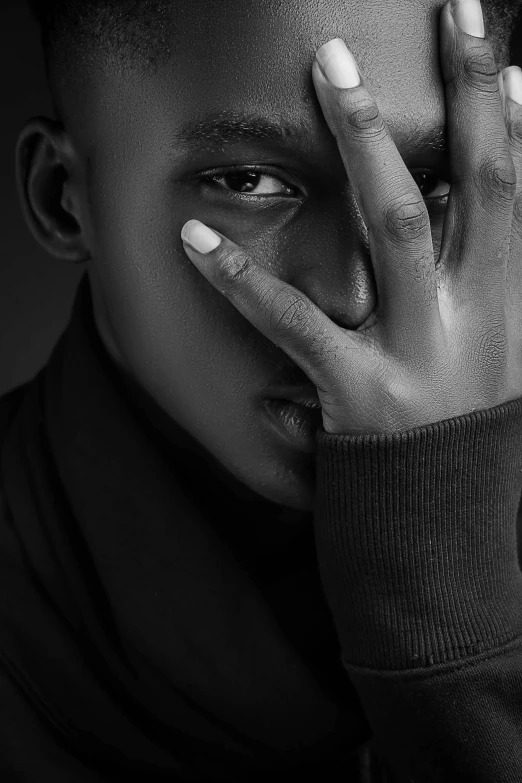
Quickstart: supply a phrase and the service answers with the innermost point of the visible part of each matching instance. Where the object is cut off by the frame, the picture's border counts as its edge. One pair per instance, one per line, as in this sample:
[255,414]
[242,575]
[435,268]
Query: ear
[48,188]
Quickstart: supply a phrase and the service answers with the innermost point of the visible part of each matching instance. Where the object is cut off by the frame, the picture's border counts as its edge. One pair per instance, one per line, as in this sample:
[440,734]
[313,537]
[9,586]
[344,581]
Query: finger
[278,310]
[512,97]
[511,79]
[478,222]
[388,197]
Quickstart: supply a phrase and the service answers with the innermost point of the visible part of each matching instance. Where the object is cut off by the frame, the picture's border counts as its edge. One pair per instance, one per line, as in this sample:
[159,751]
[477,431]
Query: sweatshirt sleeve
[416,537]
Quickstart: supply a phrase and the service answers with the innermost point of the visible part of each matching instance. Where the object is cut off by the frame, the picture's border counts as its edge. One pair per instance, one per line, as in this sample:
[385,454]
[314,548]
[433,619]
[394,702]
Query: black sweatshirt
[146,634]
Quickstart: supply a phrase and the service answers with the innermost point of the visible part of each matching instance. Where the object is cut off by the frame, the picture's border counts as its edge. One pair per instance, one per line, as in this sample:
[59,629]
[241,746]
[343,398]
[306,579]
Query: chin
[289,488]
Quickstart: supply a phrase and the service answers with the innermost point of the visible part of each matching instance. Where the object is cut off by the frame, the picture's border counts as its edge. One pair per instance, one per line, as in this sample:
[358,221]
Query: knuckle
[480,68]
[365,121]
[233,267]
[407,219]
[497,177]
[292,315]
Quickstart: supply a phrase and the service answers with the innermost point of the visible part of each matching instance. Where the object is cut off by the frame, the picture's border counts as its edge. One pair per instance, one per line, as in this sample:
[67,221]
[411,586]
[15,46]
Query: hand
[446,338]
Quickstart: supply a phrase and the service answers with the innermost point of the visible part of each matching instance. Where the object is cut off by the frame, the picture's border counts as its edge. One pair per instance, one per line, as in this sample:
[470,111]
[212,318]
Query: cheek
[162,311]
[157,306]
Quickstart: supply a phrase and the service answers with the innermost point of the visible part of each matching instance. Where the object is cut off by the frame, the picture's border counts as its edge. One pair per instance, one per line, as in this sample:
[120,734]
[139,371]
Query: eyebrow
[427,137]
[213,131]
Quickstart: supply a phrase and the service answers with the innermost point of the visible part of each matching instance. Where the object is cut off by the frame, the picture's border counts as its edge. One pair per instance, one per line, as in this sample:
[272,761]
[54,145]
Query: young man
[260,507]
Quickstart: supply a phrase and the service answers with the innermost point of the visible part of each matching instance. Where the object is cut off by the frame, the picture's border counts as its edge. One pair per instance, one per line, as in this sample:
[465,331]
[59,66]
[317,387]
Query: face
[229,131]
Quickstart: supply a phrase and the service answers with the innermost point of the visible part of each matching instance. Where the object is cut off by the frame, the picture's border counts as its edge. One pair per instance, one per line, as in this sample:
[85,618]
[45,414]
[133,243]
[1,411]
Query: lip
[303,395]
[295,423]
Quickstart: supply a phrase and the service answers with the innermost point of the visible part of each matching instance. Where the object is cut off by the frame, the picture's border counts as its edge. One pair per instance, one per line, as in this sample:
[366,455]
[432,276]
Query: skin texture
[127,185]
[444,339]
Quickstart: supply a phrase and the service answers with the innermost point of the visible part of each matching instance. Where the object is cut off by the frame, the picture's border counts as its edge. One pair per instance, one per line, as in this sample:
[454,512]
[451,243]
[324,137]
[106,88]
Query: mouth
[306,395]
[296,420]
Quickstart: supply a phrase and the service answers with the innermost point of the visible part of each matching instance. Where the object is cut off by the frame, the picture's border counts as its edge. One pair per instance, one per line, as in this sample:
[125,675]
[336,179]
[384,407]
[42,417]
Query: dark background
[36,290]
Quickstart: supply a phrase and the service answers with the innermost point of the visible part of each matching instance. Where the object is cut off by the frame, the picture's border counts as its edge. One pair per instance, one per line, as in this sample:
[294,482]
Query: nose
[337,274]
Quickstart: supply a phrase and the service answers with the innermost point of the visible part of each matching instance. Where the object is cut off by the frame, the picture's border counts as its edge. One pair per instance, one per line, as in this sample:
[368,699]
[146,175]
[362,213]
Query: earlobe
[50,203]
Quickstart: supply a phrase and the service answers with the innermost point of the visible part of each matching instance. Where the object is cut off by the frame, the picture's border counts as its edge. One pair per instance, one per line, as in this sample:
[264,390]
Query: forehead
[254,57]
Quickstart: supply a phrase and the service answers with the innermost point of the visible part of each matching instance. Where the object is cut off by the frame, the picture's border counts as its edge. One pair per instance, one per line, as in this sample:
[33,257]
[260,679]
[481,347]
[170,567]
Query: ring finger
[478,221]
[511,89]
[511,80]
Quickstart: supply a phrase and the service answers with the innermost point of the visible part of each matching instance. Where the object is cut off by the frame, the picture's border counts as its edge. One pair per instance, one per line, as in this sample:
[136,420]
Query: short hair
[75,34]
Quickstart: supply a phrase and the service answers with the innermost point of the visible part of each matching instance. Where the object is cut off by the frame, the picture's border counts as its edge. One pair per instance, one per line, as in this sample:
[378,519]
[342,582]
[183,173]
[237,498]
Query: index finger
[281,312]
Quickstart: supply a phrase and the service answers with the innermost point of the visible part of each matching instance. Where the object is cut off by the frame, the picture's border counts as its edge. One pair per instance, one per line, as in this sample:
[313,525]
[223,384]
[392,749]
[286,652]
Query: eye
[254,183]
[431,186]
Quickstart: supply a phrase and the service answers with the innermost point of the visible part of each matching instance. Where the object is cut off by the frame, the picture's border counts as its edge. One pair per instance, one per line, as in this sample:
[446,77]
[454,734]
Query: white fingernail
[338,64]
[200,237]
[467,15]
[513,82]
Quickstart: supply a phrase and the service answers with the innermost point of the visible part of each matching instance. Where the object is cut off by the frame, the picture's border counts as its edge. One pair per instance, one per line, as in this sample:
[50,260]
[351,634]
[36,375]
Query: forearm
[416,541]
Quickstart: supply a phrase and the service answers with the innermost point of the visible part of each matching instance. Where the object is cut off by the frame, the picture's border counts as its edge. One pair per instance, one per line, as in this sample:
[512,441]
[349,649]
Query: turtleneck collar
[182,653]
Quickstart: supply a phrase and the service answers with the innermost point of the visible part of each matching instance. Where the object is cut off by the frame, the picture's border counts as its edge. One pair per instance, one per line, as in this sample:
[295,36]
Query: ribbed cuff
[416,538]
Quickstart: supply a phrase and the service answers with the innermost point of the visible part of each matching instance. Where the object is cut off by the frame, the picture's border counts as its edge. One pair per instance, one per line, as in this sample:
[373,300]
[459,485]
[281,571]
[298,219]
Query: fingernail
[467,15]
[513,82]
[338,64]
[200,237]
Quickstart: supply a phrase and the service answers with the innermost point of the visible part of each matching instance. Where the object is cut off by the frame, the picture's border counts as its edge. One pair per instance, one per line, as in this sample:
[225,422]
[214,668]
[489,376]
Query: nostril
[356,315]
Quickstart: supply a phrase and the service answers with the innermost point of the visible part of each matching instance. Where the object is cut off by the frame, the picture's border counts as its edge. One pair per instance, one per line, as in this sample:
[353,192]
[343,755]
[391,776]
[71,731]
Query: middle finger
[390,202]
